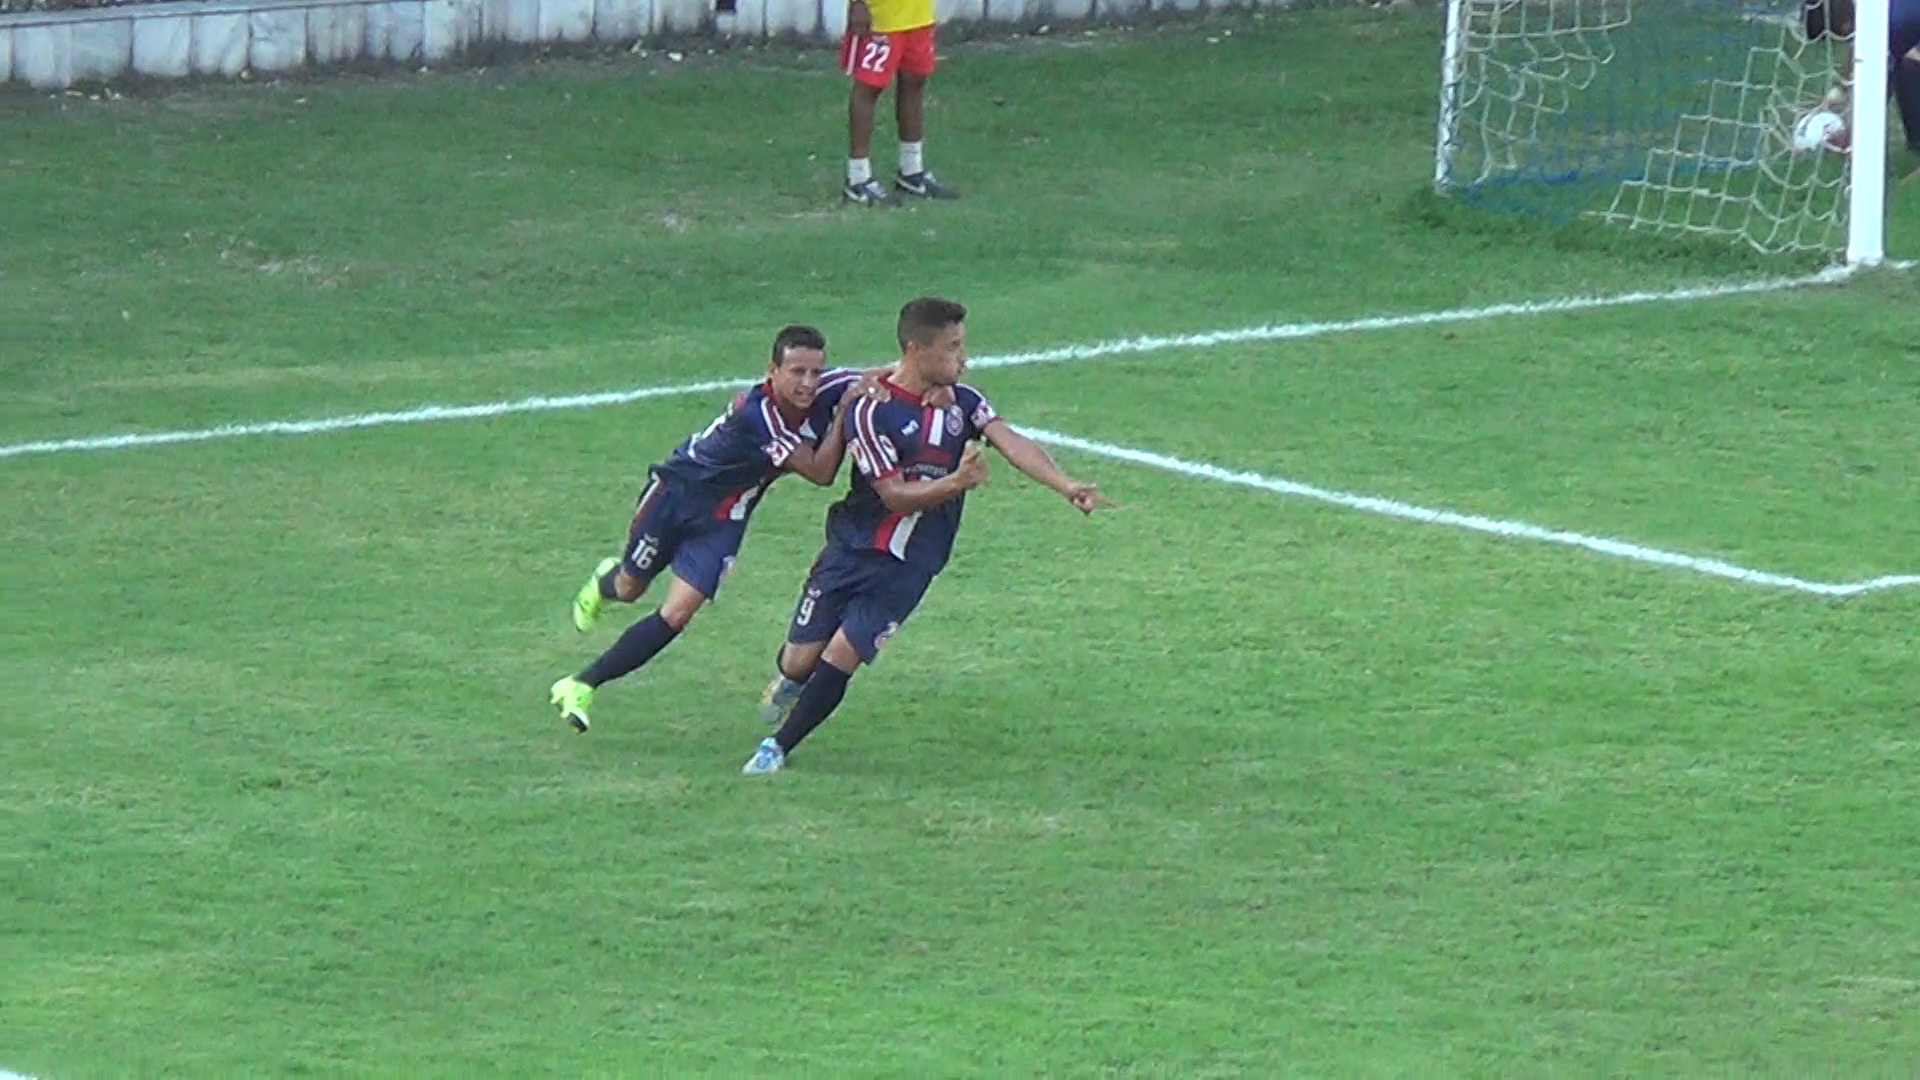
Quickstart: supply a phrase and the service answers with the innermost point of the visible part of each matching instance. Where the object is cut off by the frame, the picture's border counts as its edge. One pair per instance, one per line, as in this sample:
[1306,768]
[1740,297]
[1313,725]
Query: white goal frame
[1866,179]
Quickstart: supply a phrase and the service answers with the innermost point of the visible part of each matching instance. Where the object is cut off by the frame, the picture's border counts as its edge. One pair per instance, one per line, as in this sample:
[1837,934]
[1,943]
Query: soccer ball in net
[1821,129]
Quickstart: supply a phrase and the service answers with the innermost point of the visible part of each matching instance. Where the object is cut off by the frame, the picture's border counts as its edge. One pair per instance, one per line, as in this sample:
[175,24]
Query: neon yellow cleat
[574,699]
[588,601]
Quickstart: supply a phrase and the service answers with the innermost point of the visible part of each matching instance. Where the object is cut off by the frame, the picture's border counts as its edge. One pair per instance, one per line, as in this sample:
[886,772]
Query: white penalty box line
[1516,530]
[1513,530]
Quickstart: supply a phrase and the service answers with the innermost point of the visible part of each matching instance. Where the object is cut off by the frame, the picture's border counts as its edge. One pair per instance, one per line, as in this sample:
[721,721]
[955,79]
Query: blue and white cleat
[778,701]
[768,759]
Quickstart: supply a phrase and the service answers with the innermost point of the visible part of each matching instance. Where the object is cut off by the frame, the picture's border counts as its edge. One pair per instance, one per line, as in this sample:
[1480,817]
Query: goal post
[1867,203]
[1674,117]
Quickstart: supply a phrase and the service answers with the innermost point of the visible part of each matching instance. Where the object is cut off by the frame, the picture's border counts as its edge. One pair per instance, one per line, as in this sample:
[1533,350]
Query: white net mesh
[1674,116]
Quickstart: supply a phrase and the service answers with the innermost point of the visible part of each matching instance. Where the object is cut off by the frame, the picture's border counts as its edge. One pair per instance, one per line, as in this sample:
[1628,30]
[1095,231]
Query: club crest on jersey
[953,419]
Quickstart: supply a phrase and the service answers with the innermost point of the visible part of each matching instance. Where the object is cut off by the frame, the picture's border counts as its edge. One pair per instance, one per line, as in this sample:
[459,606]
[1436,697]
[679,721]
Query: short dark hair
[1822,17]
[796,337]
[924,318]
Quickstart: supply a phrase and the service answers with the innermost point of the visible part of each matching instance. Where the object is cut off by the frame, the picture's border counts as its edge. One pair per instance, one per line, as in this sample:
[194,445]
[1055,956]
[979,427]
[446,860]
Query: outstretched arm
[1032,458]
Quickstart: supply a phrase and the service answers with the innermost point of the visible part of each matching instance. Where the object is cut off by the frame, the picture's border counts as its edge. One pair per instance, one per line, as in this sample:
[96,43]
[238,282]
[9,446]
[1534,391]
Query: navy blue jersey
[903,436]
[730,463]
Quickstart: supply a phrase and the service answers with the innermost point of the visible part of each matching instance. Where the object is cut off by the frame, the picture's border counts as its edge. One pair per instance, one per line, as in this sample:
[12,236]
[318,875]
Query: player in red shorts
[885,39]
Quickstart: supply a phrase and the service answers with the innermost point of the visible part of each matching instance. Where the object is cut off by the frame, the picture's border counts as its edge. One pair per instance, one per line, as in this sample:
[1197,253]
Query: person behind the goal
[1836,17]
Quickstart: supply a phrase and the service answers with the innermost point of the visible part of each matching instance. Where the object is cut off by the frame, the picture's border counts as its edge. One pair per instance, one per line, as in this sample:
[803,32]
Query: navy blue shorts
[671,530]
[866,594]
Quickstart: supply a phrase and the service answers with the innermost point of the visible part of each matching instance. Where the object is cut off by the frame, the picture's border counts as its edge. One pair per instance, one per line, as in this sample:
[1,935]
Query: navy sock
[608,591]
[822,694]
[642,641]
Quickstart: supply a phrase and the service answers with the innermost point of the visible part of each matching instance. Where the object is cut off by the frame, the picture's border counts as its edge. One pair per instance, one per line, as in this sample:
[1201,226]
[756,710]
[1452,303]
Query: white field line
[1061,354]
[1070,353]
[1515,530]
[421,415]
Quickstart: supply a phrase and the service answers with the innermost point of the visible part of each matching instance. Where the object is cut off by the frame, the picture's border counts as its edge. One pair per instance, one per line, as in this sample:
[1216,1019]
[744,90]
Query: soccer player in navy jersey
[1823,17]
[693,512]
[914,462]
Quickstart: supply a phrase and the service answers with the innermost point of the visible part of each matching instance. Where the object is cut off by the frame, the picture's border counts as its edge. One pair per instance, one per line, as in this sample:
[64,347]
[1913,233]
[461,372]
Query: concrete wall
[267,37]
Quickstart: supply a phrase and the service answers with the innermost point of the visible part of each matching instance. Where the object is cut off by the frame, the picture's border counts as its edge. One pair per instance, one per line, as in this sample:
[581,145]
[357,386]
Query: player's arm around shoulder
[1032,459]
[818,465]
[821,464]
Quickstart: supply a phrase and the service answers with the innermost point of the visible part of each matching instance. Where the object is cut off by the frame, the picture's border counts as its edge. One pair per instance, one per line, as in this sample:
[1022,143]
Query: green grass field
[1220,783]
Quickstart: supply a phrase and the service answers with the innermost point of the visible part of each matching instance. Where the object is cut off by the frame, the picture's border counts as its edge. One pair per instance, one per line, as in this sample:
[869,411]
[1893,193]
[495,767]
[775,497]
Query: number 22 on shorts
[872,52]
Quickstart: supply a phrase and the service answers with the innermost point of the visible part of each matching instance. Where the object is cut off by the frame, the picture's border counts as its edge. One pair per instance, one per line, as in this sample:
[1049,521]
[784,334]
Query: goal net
[1669,116]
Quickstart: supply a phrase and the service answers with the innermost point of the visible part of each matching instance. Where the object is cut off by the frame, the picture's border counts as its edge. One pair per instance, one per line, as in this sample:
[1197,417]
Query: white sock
[910,162]
[859,171]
